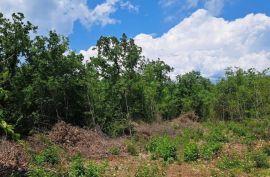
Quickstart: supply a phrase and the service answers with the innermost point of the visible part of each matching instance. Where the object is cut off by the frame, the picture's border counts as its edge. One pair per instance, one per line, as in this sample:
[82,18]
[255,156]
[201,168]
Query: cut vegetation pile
[173,127]
[89,143]
[12,158]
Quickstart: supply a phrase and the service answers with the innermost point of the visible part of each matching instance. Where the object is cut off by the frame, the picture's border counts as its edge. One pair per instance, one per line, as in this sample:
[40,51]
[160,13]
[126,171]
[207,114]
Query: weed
[149,170]
[191,152]
[195,134]
[40,172]
[79,169]
[216,135]
[163,147]
[260,159]
[131,148]
[114,151]
[229,162]
[266,149]
[210,149]
[238,129]
[49,155]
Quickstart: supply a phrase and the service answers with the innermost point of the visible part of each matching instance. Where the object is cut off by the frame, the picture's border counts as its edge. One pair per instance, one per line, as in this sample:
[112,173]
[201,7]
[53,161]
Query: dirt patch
[12,158]
[89,143]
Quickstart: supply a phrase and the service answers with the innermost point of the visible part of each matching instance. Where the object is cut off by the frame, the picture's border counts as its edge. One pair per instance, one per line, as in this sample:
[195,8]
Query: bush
[210,149]
[79,169]
[229,162]
[132,150]
[114,151]
[260,159]
[191,152]
[195,134]
[266,149]
[40,172]
[163,147]
[147,170]
[49,155]
[119,128]
[238,129]
[216,135]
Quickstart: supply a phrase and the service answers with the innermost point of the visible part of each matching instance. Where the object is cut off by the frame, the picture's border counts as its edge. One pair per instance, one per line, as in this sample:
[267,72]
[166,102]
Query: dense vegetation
[43,81]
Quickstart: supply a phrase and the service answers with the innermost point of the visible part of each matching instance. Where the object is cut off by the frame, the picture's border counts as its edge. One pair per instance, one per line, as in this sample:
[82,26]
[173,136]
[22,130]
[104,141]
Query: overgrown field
[188,149]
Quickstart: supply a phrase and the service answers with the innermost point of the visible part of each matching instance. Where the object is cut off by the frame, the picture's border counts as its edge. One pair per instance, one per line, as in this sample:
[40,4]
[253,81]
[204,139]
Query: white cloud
[128,5]
[214,7]
[168,3]
[61,15]
[89,53]
[209,44]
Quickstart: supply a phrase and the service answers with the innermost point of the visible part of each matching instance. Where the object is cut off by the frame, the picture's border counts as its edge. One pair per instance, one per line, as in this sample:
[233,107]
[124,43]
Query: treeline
[43,81]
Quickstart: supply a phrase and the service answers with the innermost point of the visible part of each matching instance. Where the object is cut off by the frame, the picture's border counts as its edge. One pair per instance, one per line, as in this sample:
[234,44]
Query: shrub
[260,159]
[148,170]
[40,172]
[229,162]
[216,135]
[191,152]
[114,151]
[195,134]
[238,129]
[7,129]
[119,128]
[94,170]
[266,149]
[163,147]
[132,150]
[49,155]
[79,169]
[210,149]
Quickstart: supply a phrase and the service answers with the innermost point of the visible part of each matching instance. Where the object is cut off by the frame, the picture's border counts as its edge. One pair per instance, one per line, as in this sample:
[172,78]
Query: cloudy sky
[202,35]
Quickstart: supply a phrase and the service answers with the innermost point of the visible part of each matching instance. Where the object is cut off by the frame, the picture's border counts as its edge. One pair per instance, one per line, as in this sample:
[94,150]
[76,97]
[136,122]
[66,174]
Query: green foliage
[132,149]
[194,134]
[7,129]
[40,172]
[195,94]
[242,94]
[216,134]
[266,149]
[210,149]
[78,168]
[115,87]
[114,151]
[260,159]
[238,129]
[49,155]
[230,162]
[191,152]
[149,170]
[163,147]
[119,128]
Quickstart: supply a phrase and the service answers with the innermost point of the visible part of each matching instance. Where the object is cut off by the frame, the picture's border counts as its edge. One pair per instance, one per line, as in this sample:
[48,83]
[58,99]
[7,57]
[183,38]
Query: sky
[202,35]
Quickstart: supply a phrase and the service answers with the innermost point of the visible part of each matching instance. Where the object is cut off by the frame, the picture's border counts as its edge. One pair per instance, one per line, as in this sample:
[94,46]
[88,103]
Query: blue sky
[204,35]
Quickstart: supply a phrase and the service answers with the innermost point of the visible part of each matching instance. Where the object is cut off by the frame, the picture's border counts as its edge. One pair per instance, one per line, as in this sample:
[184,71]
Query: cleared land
[181,147]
